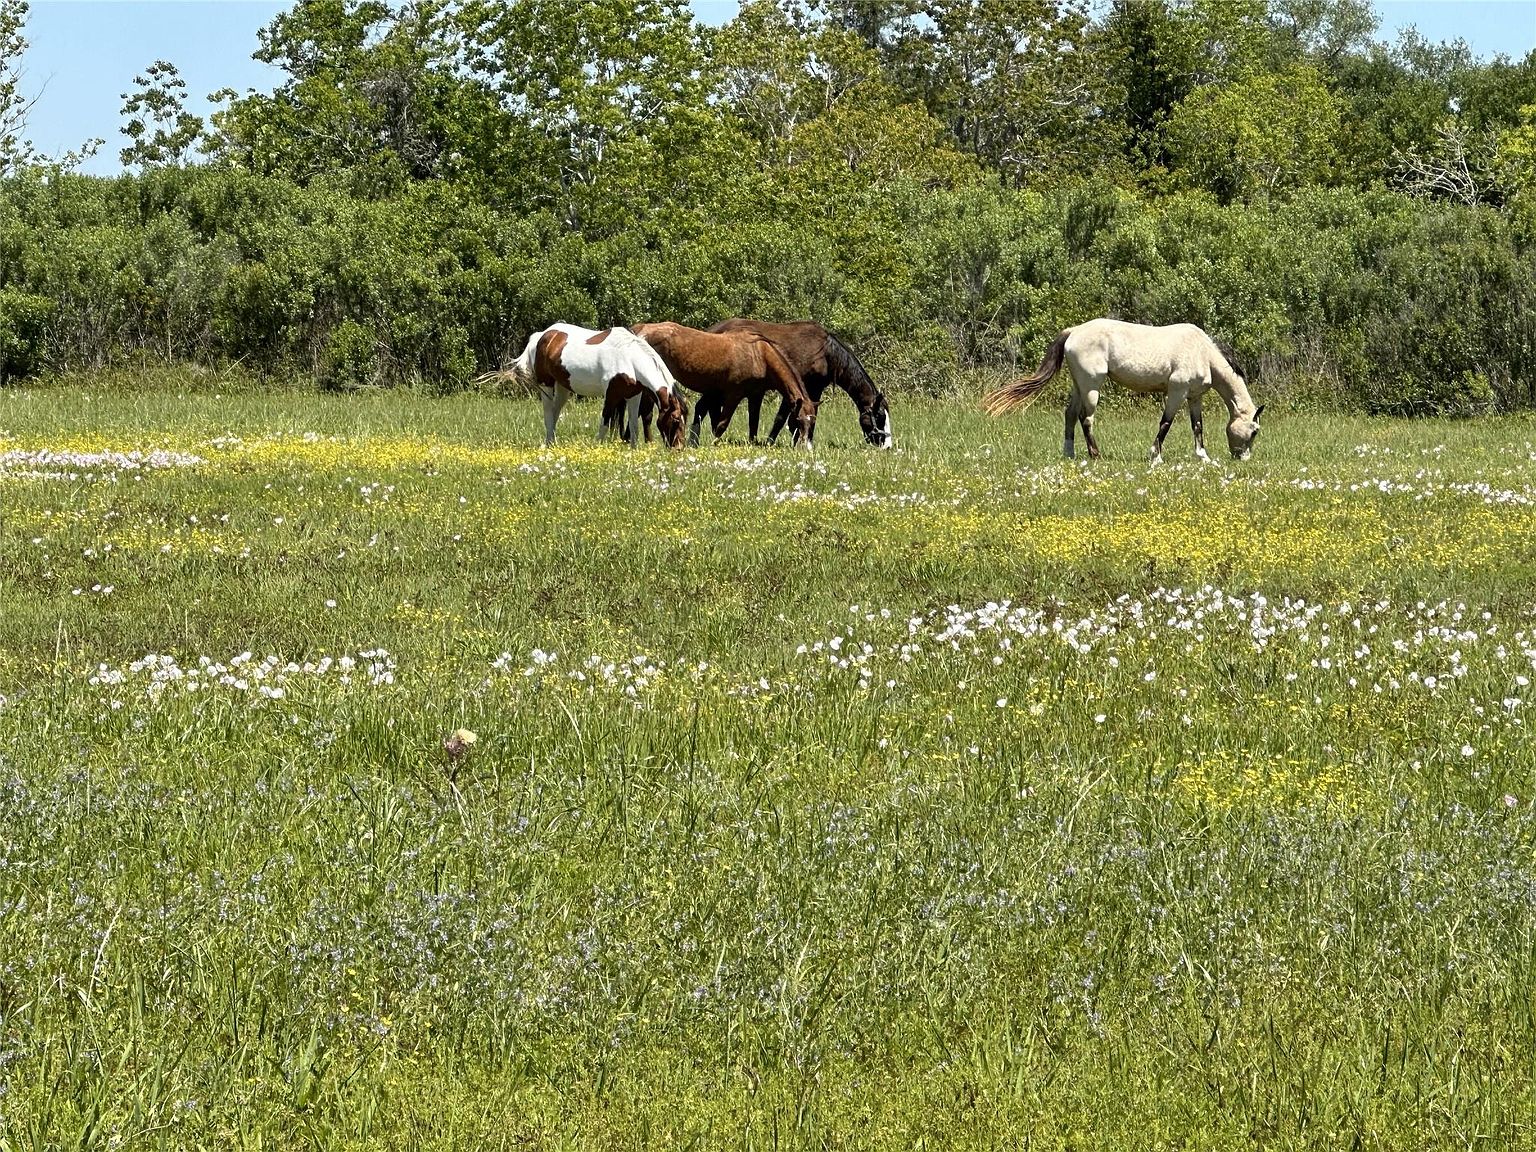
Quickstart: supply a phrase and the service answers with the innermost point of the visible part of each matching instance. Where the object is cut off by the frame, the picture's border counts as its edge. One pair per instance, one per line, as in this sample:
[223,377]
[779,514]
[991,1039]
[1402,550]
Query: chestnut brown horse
[725,368]
[821,359]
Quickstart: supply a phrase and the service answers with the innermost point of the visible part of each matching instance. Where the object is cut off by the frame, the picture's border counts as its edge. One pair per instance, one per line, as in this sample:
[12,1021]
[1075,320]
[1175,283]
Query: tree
[1321,31]
[160,129]
[599,97]
[1157,53]
[15,106]
[1515,163]
[371,89]
[1460,165]
[780,67]
[1012,81]
[1255,137]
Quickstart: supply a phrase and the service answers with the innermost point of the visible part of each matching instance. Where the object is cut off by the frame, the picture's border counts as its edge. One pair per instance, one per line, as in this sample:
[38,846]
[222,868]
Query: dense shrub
[1366,298]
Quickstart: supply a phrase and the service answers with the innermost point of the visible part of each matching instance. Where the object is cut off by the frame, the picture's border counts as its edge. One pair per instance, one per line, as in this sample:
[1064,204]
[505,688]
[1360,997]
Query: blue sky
[85,53]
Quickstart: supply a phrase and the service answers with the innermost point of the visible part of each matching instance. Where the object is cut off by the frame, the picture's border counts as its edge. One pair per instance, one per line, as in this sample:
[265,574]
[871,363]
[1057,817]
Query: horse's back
[591,358]
[1139,356]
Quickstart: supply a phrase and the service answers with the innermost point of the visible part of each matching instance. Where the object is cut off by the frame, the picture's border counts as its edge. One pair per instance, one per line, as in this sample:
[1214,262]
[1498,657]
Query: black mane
[847,372]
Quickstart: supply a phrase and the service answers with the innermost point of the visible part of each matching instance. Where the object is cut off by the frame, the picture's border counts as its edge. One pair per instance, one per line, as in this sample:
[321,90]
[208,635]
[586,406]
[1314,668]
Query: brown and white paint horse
[1178,360]
[821,359]
[614,365]
[724,368]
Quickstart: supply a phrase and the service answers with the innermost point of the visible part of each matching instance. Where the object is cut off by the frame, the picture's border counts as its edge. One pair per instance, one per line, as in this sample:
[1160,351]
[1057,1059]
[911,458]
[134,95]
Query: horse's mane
[1231,356]
[847,372]
[628,338]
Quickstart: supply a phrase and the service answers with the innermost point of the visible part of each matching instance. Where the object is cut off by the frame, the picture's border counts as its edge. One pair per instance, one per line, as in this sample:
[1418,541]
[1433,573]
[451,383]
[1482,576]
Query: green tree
[1256,137]
[1323,32]
[601,99]
[370,89]
[1012,81]
[15,105]
[1158,53]
[159,128]
[782,65]
[1515,163]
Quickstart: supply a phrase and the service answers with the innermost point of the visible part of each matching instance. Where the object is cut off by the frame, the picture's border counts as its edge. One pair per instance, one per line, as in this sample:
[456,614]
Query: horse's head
[671,416]
[1242,431]
[804,419]
[876,423]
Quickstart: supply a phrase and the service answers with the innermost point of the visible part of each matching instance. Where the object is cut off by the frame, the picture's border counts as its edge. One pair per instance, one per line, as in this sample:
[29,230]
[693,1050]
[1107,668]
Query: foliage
[15,105]
[980,800]
[947,183]
[159,127]
[23,317]
[1264,135]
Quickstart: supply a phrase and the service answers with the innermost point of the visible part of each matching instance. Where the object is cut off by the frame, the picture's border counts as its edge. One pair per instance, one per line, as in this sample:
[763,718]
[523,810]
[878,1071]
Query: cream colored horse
[1178,360]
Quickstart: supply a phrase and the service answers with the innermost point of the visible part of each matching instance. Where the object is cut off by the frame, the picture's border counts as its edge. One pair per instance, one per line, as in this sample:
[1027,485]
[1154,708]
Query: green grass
[1135,860]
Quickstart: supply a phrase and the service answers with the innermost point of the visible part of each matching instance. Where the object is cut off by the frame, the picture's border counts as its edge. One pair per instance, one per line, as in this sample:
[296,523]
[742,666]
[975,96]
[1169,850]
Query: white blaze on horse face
[885,430]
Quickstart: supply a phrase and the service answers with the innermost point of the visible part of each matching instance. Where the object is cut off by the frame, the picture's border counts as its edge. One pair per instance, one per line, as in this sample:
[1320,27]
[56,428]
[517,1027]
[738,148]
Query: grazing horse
[614,364]
[1178,360]
[821,359]
[724,367]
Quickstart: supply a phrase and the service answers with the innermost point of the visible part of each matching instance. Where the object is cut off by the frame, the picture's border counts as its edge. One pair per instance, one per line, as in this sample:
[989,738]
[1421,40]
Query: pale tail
[1022,393]
[524,363]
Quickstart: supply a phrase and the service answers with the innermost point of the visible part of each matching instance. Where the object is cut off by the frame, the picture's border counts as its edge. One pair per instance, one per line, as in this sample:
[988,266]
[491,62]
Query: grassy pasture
[954,796]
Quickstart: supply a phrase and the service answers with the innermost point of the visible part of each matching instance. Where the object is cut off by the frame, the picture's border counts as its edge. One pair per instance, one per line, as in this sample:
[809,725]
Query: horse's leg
[699,411]
[553,402]
[720,420]
[609,419]
[1170,409]
[1088,404]
[754,415]
[780,420]
[1197,426]
[632,414]
[1069,435]
[1093,443]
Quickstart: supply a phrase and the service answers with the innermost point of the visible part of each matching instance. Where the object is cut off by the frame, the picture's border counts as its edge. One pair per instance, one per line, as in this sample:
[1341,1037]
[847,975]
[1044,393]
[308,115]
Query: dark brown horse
[727,367]
[821,359]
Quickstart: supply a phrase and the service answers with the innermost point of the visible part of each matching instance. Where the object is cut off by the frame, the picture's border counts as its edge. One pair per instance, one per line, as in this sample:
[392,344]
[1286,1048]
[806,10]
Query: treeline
[947,182]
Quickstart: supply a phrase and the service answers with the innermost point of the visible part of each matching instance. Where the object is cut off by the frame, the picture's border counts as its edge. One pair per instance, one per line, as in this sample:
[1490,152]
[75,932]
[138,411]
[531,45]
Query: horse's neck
[861,392]
[1231,388]
[847,375]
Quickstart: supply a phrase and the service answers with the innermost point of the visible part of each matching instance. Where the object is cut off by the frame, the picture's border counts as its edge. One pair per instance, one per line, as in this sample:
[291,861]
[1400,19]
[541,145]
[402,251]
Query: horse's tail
[1022,393]
[523,366]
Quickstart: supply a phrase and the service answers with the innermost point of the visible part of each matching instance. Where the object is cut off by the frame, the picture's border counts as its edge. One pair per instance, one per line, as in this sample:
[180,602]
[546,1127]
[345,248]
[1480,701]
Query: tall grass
[951,796]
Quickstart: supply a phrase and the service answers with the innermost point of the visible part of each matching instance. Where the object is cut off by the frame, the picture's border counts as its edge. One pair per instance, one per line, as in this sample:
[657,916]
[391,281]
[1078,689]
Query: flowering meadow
[372,777]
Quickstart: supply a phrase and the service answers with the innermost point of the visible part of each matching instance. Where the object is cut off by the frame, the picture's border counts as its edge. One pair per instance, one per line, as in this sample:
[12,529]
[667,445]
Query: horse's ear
[1257,412]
